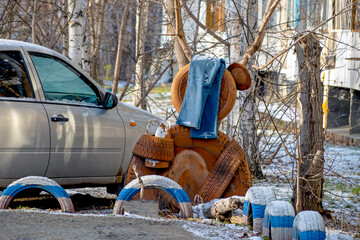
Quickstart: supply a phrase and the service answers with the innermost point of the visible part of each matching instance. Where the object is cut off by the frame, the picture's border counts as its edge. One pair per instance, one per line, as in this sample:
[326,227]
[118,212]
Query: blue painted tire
[36,182]
[155,182]
[255,202]
[309,225]
[278,220]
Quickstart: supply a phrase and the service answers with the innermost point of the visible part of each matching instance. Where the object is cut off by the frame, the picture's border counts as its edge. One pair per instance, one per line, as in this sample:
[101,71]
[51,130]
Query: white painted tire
[255,202]
[278,220]
[155,182]
[339,237]
[309,225]
[37,182]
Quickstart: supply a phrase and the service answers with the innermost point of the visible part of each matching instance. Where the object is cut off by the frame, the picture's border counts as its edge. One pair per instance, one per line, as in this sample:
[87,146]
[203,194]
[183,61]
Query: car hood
[130,113]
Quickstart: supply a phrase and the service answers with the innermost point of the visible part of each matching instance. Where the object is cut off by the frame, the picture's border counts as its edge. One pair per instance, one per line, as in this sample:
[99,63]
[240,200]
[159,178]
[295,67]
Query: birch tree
[75,31]
[247,128]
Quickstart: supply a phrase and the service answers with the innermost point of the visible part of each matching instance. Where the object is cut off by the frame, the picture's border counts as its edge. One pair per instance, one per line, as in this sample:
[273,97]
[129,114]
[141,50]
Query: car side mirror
[110,100]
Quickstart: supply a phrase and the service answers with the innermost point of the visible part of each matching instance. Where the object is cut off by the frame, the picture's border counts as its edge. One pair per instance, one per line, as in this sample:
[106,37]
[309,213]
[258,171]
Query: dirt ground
[38,217]
[93,220]
[35,225]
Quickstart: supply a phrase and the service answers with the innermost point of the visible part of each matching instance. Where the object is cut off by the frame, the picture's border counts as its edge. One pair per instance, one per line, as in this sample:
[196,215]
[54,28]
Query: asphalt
[341,135]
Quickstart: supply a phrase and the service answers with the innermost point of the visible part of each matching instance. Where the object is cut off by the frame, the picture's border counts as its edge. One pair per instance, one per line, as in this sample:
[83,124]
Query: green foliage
[108,70]
[356,190]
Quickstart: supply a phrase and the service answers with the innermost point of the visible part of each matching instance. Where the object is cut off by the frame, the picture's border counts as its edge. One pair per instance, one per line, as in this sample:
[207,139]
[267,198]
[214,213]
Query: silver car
[56,121]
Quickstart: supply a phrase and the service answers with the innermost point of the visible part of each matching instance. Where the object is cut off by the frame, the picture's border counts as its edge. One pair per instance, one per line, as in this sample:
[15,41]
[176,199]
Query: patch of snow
[217,231]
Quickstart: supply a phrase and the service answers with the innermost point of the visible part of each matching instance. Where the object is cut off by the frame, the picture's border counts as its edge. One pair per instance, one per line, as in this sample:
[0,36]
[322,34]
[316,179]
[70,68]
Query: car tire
[278,220]
[156,148]
[210,151]
[255,202]
[182,140]
[155,182]
[227,92]
[37,182]
[309,225]
[223,171]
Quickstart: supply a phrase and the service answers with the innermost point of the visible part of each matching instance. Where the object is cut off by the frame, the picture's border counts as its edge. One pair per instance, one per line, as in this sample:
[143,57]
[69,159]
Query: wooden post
[309,191]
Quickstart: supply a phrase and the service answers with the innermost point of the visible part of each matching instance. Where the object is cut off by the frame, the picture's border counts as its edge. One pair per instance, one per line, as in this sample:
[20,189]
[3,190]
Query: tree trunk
[309,188]
[86,51]
[181,58]
[96,28]
[142,9]
[33,33]
[121,40]
[86,45]
[247,127]
[218,208]
[247,130]
[65,37]
[75,30]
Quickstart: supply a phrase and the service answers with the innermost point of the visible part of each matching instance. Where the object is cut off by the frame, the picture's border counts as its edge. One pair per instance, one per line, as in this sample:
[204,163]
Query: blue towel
[200,106]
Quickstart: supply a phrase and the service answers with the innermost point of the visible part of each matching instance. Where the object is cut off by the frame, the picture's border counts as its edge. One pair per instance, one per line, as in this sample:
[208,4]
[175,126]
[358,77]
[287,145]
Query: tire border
[155,182]
[308,225]
[255,202]
[278,220]
[38,182]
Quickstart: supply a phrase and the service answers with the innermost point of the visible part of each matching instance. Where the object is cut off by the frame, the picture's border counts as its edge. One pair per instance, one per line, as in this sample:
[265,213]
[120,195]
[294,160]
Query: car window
[61,82]
[14,79]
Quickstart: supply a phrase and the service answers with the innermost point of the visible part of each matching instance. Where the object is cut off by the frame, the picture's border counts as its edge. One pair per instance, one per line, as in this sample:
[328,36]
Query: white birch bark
[246,129]
[75,30]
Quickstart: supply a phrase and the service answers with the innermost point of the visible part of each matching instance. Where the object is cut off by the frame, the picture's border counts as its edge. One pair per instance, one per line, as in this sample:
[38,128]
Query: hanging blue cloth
[200,106]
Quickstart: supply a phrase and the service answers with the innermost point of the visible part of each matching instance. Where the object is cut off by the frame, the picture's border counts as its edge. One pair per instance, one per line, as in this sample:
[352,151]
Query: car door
[24,126]
[86,139]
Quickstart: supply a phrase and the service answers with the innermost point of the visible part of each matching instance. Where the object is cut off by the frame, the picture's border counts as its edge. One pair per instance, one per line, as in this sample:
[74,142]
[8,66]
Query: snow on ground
[342,179]
[278,111]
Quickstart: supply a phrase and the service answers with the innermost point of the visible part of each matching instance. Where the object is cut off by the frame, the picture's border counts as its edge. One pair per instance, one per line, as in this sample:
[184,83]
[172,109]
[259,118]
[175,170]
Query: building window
[215,15]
